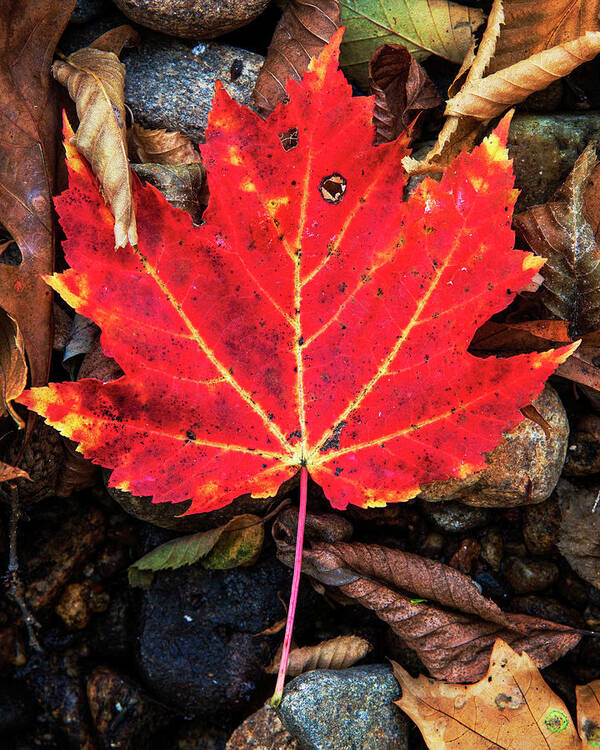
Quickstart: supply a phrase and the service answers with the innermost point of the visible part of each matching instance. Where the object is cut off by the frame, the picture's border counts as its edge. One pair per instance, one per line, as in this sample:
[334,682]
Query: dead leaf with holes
[13,367]
[163,147]
[511,707]
[334,653]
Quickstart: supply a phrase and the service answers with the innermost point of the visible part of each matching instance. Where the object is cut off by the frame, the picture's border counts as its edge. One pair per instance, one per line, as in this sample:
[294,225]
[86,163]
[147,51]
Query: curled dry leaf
[402,90]
[588,714]
[491,96]
[437,610]
[579,534]
[335,653]
[305,27]
[29,32]
[116,39]
[163,147]
[95,80]
[13,367]
[236,543]
[8,472]
[566,231]
[511,707]
[424,27]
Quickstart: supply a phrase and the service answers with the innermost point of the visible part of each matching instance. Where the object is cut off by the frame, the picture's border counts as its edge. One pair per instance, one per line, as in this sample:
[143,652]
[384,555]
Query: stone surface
[546,609]
[583,454]
[540,527]
[544,149]
[492,545]
[350,709]
[88,10]
[262,730]
[170,84]
[523,469]
[579,535]
[526,576]
[199,643]
[455,517]
[194,19]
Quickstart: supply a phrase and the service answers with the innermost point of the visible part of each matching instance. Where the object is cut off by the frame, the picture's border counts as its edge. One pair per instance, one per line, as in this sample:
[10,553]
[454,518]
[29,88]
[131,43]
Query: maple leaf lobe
[313,319]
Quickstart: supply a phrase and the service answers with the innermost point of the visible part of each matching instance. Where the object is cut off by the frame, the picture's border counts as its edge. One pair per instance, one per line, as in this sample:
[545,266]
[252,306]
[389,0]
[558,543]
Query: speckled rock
[526,576]
[583,455]
[87,10]
[262,730]
[455,517]
[170,84]
[541,523]
[350,709]
[523,469]
[194,19]
[492,544]
[544,149]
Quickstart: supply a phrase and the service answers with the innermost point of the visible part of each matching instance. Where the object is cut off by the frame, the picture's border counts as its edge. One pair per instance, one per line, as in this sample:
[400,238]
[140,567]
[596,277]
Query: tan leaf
[531,27]
[13,367]
[95,80]
[116,39]
[336,653]
[511,707]
[163,147]
[588,714]
[305,27]
[491,96]
[8,472]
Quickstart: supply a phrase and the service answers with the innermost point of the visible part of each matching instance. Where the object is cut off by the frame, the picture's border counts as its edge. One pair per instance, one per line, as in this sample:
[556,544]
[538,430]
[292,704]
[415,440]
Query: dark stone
[199,643]
[16,710]
[526,576]
[540,527]
[583,454]
[546,609]
[455,517]
[349,709]
[88,10]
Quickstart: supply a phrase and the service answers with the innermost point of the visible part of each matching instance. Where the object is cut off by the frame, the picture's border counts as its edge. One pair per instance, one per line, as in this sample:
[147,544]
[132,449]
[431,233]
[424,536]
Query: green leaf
[424,27]
[238,542]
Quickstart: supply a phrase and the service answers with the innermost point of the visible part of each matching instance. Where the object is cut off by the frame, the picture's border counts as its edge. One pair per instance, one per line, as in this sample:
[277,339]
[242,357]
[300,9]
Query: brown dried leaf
[116,39]
[579,534]
[305,27]
[402,90]
[163,147]
[335,653]
[511,707]
[8,472]
[181,184]
[588,714]
[566,231]
[77,473]
[95,80]
[13,367]
[262,730]
[29,31]
[489,97]
[531,27]
[435,609]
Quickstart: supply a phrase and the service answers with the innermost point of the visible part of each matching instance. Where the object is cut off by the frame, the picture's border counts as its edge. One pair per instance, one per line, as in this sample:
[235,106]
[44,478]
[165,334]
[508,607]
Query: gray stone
[523,469]
[456,518]
[526,576]
[544,149]
[350,709]
[171,85]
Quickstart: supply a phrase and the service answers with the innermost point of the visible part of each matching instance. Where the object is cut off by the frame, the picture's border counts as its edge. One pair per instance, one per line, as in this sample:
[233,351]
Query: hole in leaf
[332,188]
[289,139]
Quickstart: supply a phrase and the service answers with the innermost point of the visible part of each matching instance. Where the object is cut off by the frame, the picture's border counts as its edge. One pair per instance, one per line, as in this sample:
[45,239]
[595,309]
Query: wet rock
[583,455]
[170,85]
[199,643]
[540,527]
[88,10]
[109,634]
[350,709]
[523,469]
[544,150]
[546,609]
[16,709]
[491,545]
[78,602]
[455,517]
[579,535]
[262,730]
[124,716]
[194,19]
[526,576]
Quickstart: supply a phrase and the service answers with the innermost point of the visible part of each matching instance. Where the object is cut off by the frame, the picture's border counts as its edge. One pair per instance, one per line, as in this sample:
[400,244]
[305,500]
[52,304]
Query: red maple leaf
[314,320]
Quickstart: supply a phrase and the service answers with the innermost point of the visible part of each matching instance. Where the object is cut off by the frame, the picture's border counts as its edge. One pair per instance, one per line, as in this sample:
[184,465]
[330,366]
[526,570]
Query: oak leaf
[511,707]
[314,320]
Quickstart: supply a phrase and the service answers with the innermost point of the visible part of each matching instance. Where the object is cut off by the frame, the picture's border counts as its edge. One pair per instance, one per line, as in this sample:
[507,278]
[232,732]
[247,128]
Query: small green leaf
[238,542]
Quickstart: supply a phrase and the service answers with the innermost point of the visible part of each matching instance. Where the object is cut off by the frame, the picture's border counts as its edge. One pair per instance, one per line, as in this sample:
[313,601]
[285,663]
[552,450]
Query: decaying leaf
[336,653]
[437,610]
[510,708]
[238,542]
[531,27]
[29,31]
[248,346]
[13,367]
[566,231]
[163,147]
[491,96]
[588,714]
[579,535]
[402,90]
[95,80]
[304,29]
[114,40]
[424,27]
[8,472]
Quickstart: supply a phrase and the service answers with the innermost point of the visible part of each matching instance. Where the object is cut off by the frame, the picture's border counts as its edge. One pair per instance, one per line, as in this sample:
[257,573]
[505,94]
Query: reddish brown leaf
[402,90]
[29,31]
[163,147]
[8,472]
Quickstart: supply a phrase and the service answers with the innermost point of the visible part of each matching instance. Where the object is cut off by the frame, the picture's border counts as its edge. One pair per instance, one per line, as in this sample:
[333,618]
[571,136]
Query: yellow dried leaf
[336,653]
[13,367]
[95,80]
[588,714]
[163,147]
[489,97]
